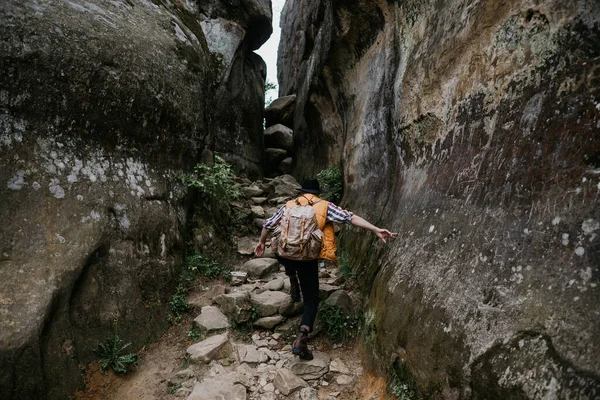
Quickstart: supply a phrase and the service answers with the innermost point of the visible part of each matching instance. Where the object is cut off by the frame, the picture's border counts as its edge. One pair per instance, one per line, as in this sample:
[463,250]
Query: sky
[268,51]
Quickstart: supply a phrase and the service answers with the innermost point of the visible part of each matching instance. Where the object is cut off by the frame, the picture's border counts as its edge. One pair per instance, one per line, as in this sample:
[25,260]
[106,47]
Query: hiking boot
[301,345]
[294,289]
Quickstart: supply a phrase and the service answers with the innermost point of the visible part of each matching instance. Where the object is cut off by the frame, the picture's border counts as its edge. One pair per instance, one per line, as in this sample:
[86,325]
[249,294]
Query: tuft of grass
[111,353]
[194,265]
[402,383]
[337,324]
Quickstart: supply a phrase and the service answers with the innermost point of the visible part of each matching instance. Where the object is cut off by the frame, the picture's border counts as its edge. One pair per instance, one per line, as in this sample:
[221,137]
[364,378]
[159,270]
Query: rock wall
[473,129]
[102,104]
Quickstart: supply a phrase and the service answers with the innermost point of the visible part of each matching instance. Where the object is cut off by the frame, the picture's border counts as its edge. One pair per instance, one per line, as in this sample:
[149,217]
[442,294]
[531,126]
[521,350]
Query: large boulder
[281,111]
[102,105]
[471,128]
[279,137]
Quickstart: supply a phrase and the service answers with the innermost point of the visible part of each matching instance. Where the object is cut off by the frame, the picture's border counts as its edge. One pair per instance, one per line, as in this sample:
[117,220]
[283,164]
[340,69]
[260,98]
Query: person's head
[311,185]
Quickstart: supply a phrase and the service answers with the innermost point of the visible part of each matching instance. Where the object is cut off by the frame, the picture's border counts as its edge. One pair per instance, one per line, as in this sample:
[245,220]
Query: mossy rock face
[470,129]
[102,106]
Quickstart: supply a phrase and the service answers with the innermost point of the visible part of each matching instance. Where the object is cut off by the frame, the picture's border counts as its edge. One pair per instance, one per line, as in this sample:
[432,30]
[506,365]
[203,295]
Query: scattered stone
[326,290]
[260,342]
[308,393]
[334,394]
[269,303]
[252,191]
[245,375]
[343,379]
[337,365]
[270,211]
[211,319]
[268,322]
[279,364]
[218,389]
[216,370]
[342,300]
[238,278]
[180,377]
[280,137]
[258,211]
[245,246]
[261,267]
[313,369]
[236,306]
[258,200]
[287,382]
[201,299]
[323,274]
[268,388]
[183,392]
[276,336]
[292,309]
[275,285]
[249,354]
[214,347]
[336,281]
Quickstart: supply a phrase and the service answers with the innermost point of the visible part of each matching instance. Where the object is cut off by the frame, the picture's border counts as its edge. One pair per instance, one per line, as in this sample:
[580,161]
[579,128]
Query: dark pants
[308,276]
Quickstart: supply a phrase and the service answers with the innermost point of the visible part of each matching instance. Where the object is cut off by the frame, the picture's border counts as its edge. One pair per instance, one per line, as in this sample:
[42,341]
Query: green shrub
[215,183]
[338,325]
[211,269]
[110,353]
[333,184]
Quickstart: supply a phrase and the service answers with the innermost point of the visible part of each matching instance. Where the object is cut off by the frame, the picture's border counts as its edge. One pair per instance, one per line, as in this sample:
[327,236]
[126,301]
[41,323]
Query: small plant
[402,384]
[110,353]
[333,184]
[337,324]
[269,86]
[195,333]
[211,269]
[178,304]
[346,267]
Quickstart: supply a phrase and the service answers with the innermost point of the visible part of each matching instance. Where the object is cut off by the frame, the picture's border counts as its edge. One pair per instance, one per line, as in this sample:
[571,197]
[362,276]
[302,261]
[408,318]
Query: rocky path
[244,331]
[224,364]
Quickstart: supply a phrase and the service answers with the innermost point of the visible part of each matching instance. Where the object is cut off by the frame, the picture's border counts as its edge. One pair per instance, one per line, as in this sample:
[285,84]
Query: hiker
[307,270]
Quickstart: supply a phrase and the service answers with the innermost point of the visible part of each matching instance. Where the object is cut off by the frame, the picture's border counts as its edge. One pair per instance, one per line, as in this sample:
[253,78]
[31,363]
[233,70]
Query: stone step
[211,319]
[214,347]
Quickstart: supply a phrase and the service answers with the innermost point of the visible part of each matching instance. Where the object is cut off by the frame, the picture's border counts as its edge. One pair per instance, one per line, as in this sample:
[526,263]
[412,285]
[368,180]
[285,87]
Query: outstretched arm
[363,223]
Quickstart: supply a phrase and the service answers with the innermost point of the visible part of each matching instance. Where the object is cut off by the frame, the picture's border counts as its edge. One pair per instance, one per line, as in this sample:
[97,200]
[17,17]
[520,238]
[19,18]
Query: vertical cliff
[473,129]
[102,104]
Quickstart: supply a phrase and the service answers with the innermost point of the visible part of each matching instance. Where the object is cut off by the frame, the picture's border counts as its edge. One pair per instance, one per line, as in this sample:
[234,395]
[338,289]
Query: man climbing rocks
[308,271]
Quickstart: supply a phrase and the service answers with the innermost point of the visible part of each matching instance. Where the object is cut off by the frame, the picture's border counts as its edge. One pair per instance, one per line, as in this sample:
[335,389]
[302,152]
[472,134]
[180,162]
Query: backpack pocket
[314,245]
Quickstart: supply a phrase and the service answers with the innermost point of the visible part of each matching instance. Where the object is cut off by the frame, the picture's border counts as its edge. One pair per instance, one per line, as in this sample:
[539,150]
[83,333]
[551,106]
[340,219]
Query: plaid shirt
[334,214]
